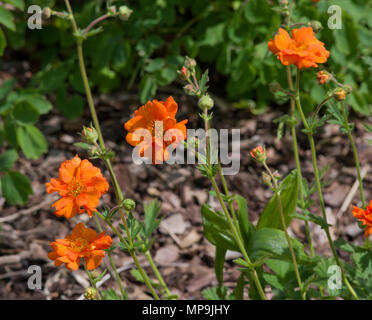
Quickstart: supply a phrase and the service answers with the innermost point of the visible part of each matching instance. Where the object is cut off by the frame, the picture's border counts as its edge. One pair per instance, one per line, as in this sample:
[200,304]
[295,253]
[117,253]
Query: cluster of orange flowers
[80,186]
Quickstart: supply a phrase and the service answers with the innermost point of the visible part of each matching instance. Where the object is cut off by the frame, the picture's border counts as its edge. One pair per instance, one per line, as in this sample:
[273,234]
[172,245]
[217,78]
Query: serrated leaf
[270,217]
[31,141]
[25,113]
[15,188]
[217,229]
[7,19]
[7,160]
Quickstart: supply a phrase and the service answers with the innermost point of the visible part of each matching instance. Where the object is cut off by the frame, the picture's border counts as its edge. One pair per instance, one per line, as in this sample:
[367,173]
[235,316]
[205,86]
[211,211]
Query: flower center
[79,244]
[298,46]
[75,187]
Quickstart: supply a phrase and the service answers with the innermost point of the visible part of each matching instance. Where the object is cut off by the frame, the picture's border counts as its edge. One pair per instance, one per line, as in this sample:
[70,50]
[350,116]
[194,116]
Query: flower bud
[274,86]
[184,73]
[124,13]
[90,293]
[316,25]
[129,204]
[112,10]
[189,90]
[47,12]
[258,154]
[190,63]
[266,179]
[206,102]
[323,76]
[283,2]
[339,94]
[90,135]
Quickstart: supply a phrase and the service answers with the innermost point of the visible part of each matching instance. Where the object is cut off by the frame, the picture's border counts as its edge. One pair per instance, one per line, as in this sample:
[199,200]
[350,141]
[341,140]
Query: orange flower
[303,49]
[80,185]
[154,126]
[81,243]
[365,216]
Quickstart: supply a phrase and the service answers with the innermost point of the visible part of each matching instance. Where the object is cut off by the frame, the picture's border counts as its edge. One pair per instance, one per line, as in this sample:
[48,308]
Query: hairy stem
[318,185]
[297,158]
[284,225]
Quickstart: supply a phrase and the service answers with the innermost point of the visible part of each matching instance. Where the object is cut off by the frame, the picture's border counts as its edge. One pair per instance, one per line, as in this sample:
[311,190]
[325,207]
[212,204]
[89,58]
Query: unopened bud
[189,90]
[190,63]
[112,10]
[124,13]
[284,2]
[206,102]
[129,204]
[323,76]
[90,293]
[339,94]
[90,135]
[266,179]
[274,86]
[47,12]
[184,73]
[258,154]
[316,25]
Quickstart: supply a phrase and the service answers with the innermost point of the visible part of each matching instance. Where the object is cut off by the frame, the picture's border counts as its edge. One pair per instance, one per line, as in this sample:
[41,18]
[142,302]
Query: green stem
[124,293]
[318,184]
[132,253]
[92,282]
[237,238]
[157,273]
[297,158]
[284,225]
[356,159]
[92,109]
[355,153]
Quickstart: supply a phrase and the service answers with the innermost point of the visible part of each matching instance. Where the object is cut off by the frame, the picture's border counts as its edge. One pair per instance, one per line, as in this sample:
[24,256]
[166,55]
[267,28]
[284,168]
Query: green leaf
[272,242]
[270,217]
[40,103]
[7,19]
[25,113]
[219,262]
[20,4]
[217,229]
[215,293]
[245,226]
[152,210]
[31,141]
[15,188]
[148,88]
[10,132]
[7,160]
[2,42]
[6,87]
[110,294]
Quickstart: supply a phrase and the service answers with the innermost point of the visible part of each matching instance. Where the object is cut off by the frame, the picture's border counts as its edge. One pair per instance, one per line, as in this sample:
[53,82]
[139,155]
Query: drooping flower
[81,243]
[258,153]
[365,216]
[323,76]
[339,94]
[303,49]
[80,185]
[154,126]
